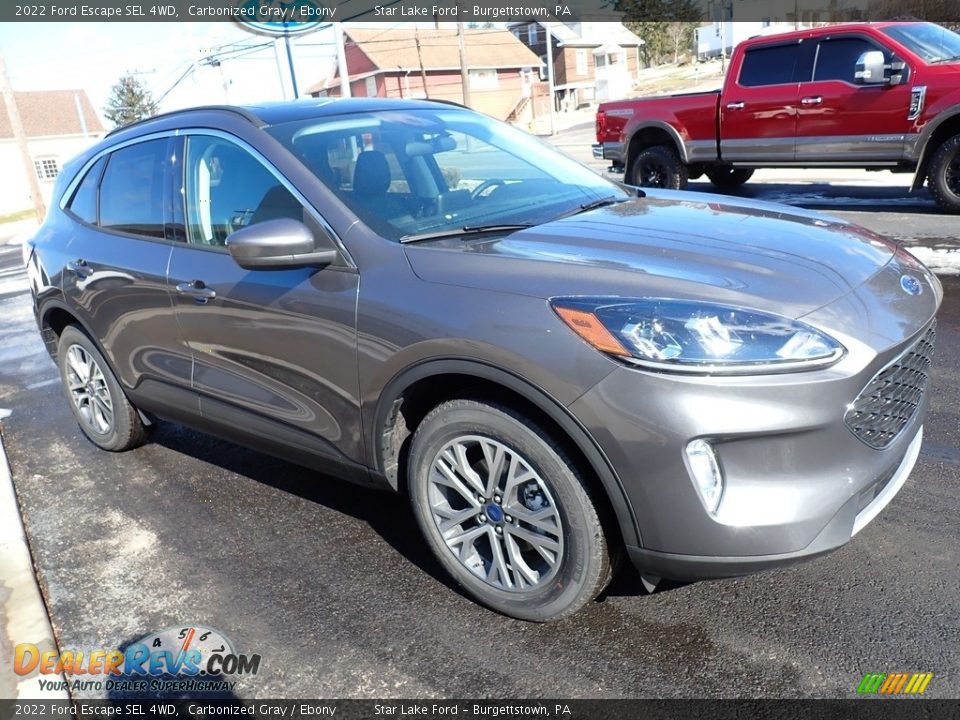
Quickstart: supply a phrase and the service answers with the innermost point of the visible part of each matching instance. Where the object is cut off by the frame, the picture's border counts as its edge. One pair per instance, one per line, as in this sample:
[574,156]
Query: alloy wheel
[495,513]
[89,391]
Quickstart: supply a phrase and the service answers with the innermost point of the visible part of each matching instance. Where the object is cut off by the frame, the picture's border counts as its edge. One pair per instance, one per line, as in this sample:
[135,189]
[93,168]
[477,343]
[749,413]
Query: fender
[923,142]
[599,463]
[658,125]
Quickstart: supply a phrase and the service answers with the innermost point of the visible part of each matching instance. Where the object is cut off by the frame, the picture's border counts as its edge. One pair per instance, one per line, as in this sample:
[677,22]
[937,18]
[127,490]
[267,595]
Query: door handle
[197,290]
[80,267]
[739,105]
[812,100]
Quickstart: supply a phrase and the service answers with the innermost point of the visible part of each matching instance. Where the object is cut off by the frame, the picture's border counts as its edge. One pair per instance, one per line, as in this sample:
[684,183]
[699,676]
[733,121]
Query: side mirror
[277,244]
[871,68]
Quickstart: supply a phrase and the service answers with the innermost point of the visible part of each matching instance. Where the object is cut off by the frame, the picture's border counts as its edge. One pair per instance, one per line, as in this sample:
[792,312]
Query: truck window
[837,58]
[770,65]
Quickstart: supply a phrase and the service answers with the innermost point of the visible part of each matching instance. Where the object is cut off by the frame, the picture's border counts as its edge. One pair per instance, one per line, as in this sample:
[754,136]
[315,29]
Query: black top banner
[302,15]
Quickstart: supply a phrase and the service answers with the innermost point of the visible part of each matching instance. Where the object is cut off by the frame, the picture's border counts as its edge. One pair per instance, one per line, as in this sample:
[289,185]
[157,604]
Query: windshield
[414,171]
[926,40]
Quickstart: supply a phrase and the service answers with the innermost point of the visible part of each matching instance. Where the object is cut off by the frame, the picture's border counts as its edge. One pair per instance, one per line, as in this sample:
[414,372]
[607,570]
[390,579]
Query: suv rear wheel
[506,512]
[101,408]
[944,175]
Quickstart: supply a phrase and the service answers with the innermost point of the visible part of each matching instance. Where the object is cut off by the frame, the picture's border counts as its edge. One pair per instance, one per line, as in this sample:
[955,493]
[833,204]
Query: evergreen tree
[129,101]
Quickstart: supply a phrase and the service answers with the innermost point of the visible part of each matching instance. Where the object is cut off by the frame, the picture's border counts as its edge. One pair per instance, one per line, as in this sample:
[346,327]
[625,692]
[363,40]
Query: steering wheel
[484,186]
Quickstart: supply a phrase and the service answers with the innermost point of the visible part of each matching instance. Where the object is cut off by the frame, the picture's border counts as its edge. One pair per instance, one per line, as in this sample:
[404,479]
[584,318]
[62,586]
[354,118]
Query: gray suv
[557,370]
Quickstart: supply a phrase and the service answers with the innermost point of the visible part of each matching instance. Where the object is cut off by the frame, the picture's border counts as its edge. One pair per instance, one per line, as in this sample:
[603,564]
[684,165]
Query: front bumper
[852,517]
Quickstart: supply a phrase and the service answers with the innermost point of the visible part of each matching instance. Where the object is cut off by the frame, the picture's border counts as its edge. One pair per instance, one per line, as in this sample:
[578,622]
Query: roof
[271,113]
[46,113]
[396,50]
[588,34]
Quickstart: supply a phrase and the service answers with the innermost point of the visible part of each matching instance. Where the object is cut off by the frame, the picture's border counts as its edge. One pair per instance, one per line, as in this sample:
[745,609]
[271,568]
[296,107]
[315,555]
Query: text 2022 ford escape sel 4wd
[555,370]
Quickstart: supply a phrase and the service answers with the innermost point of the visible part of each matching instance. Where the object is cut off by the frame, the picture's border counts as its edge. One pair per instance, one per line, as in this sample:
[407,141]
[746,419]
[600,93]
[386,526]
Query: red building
[503,74]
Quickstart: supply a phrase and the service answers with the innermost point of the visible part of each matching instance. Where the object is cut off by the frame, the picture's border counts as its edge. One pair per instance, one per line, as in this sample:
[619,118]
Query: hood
[670,244]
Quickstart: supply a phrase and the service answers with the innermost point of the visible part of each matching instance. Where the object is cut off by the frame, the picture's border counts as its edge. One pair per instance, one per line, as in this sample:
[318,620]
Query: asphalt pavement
[333,587]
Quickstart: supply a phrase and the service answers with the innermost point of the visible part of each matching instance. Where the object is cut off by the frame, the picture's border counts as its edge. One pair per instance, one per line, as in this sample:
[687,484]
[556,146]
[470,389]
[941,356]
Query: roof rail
[242,112]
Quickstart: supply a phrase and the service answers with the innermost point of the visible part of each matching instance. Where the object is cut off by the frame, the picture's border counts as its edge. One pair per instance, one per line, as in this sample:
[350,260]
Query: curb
[23,614]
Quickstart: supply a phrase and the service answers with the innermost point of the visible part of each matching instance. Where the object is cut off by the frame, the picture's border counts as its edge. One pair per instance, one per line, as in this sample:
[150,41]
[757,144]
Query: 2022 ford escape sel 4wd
[556,371]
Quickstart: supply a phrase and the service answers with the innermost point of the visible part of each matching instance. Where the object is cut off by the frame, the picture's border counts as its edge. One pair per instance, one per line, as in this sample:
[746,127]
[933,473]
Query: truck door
[840,117]
[758,107]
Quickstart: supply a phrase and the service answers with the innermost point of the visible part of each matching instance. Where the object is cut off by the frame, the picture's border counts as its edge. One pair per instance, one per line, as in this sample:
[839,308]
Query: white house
[58,124]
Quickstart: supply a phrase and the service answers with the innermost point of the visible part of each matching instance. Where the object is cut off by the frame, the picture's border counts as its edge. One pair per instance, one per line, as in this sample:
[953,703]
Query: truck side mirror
[871,68]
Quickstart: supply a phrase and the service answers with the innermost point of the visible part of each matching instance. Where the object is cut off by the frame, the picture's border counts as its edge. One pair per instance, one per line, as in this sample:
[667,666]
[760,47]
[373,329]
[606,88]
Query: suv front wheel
[505,512]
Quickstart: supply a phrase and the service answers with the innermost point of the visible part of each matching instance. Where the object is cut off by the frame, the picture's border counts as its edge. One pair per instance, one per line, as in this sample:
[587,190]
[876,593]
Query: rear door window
[132,189]
[770,65]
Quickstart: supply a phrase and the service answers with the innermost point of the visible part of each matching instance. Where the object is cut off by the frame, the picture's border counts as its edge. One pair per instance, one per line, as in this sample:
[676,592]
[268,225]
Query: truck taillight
[601,125]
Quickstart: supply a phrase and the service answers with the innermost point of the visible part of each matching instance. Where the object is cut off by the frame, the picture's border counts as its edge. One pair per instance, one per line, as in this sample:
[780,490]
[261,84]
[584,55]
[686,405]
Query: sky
[167,58]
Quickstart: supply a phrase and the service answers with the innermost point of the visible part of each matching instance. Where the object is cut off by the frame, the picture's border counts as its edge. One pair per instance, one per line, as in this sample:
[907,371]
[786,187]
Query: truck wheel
[659,167]
[728,178]
[944,175]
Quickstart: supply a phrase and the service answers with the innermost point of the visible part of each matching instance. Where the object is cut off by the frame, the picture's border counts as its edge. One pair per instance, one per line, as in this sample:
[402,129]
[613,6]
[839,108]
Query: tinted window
[837,59]
[227,188]
[84,201]
[770,65]
[131,193]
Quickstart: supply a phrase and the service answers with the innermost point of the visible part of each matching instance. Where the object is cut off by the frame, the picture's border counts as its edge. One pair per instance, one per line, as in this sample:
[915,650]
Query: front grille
[889,401]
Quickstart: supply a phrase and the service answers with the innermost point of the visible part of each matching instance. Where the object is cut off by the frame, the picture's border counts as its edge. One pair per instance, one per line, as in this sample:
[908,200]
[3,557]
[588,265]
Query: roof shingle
[50,112]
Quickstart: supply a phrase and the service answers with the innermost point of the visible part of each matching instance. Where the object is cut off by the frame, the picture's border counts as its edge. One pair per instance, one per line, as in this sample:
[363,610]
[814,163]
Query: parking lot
[333,587]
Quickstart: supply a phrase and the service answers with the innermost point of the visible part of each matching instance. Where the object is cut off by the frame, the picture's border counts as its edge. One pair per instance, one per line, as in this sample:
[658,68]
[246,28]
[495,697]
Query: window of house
[837,59]
[371,83]
[47,168]
[227,188]
[83,204]
[132,189]
[770,65]
[533,35]
[581,62]
[544,70]
[482,79]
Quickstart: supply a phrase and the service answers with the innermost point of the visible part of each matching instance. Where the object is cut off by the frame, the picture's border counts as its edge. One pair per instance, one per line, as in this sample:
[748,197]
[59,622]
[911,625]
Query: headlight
[691,336]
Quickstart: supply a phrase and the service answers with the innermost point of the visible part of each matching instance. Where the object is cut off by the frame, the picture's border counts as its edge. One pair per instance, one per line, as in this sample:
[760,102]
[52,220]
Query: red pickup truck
[878,96]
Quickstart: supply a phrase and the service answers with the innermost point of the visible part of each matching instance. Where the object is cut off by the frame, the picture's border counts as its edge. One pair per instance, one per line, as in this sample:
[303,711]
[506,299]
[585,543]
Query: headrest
[371,176]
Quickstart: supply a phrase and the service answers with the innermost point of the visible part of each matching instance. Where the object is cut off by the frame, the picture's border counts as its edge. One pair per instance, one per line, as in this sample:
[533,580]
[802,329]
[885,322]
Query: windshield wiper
[465,230]
[952,58]
[592,205]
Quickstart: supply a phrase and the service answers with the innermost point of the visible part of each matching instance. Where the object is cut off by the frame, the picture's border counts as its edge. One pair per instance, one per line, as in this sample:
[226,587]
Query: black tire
[658,166]
[943,177]
[124,430]
[583,565]
[728,178]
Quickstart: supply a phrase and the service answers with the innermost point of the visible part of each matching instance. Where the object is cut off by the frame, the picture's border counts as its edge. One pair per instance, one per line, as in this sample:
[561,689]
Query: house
[502,73]
[592,61]
[733,22]
[58,125]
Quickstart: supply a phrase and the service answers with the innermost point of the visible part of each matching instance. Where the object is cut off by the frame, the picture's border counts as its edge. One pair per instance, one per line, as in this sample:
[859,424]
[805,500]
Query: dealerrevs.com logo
[179,659]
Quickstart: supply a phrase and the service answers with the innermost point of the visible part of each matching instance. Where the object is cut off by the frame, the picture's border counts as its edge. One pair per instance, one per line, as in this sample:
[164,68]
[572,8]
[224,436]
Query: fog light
[706,473]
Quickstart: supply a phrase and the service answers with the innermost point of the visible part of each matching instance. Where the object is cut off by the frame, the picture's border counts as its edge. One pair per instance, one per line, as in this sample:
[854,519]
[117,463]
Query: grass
[17,216]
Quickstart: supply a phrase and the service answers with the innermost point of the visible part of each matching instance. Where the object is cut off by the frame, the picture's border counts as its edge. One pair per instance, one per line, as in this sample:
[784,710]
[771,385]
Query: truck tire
[944,175]
[660,167]
[728,178]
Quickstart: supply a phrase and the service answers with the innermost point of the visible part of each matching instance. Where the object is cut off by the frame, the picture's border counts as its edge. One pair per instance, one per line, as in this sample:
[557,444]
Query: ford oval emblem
[910,285]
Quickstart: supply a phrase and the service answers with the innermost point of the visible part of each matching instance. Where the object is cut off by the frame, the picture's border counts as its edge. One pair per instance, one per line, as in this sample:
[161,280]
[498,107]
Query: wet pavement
[332,586]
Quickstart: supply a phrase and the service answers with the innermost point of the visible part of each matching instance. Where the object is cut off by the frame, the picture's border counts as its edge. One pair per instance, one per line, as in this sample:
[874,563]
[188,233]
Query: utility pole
[546,28]
[423,72]
[342,61]
[464,72]
[16,126]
